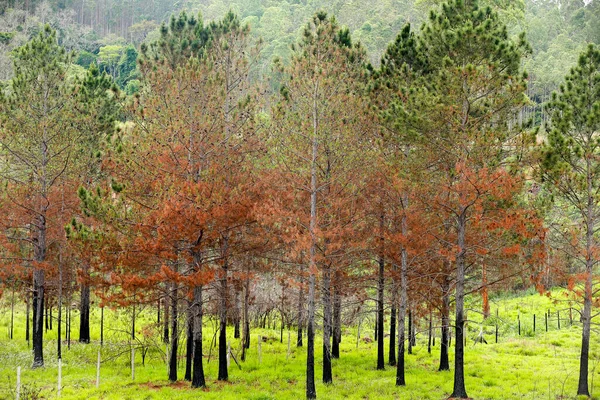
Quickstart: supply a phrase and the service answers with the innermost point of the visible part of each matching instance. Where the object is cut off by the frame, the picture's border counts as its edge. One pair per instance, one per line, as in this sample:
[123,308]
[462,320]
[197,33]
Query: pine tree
[570,166]
[38,140]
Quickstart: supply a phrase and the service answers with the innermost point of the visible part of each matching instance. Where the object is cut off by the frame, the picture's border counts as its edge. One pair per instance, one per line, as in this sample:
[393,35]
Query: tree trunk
[393,314]
[236,328]
[12,312]
[166,319]
[400,375]
[223,373]
[300,310]
[337,317]
[459,390]
[380,327]
[84,318]
[174,326]
[484,292]
[38,314]
[60,297]
[246,339]
[27,319]
[410,331]
[198,371]
[326,295]
[444,361]
[586,316]
[189,344]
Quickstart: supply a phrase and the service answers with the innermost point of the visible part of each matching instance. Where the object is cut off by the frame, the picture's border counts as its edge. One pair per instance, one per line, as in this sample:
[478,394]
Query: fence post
[133,363]
[289,347]
[228,353]
[496,331]
[59,376]
[18,395]
[259,349]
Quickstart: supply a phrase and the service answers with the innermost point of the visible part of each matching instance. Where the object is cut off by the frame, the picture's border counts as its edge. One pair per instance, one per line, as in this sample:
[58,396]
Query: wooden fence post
[18,394]
[59,376]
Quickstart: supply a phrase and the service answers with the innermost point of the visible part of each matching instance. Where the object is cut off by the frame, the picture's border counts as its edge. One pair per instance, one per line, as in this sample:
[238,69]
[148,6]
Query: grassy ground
[535,365]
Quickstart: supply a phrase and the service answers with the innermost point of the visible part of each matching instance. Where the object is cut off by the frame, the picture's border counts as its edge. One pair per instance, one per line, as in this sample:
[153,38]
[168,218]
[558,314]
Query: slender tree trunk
[400,373]
[236,329]
[174,300]
[12,312]
[393,314]
[46,313]
[38,313]
[60,298]
[101,326]
[246,339]
[337,316]
[586,316]
[380,292]
[300,309]
[459,390]
[484,292]
[166,319]
[311,391]
[198,371]
[410,330]
[326,295]
[444,361]
[27,319]
[223,373]
[84,318]
[189,344]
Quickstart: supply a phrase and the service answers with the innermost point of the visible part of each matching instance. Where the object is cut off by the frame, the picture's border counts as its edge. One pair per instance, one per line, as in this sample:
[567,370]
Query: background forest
[177,175]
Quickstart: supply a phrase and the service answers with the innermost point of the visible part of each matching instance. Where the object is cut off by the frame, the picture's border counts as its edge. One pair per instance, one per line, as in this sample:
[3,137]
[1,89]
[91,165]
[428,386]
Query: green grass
[540,365]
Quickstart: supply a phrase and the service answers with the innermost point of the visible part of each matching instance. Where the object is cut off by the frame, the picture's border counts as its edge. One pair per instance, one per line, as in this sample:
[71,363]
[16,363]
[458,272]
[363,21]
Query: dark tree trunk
[60,298]
[12,313]
[337,317]
[429,332]
[27,319]
[223,373]
[189,344]
[444,361]
[300,311]
[198,372]
[236,327]
[47,312]
[101,325]
[326,294]
[459,390]
[84,320]
[311,391]
[380,326]
[166,319]
[393,314]
[400,375]
[38,321]
[174,326]
[586,319]
[50,317]
[410,330]
[246,338]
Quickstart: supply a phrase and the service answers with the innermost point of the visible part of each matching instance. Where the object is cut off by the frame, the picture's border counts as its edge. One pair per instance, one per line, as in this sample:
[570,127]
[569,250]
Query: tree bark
[174,326]
[445,314]
[400,373]
[459,390]
[38,314]
[223,373]
[393,314]
[166,319]
[198,370]
[189,344]
[84,320]
[337,317]
[326,295]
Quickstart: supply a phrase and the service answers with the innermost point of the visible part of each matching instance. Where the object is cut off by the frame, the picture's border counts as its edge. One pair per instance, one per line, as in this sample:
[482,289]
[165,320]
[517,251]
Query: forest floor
[533,365]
